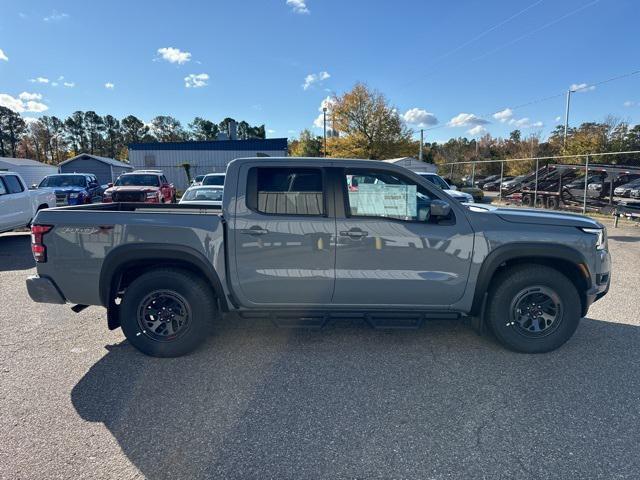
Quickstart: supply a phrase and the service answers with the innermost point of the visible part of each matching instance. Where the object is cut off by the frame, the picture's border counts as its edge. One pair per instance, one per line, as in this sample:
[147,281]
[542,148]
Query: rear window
[203,194]
[285,191]
[140,180]
[213,180]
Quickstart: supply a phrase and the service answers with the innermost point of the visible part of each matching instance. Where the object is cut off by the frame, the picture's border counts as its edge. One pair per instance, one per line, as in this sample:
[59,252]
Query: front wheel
[533,309]
[167,312]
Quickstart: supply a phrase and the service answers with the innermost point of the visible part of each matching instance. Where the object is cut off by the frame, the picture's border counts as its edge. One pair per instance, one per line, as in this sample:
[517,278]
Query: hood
[457,194]
[70,189]
[541,217]
[130,188]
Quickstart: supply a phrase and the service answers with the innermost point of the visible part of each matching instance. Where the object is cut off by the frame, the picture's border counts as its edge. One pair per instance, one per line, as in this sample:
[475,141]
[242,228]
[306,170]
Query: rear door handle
[255,230]
[354,233]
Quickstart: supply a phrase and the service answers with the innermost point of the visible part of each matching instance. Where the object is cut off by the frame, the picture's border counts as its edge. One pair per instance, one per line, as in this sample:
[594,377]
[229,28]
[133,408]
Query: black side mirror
[440,208]
[33,187]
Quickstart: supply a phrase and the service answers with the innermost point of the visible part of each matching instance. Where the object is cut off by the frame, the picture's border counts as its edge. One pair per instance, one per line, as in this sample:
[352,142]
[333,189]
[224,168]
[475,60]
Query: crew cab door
[391,251]
[281,237]
[15,203]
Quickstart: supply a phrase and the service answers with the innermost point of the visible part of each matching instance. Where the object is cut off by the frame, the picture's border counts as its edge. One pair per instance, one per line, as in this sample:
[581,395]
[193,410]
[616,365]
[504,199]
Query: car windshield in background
[203,194]
[213,180]
[138,181]
[64,181]
[437,181]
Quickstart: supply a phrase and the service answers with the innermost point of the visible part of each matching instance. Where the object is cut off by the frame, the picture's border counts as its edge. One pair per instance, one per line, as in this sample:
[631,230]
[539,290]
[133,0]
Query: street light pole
[421,142]
[566,118]
[324,119]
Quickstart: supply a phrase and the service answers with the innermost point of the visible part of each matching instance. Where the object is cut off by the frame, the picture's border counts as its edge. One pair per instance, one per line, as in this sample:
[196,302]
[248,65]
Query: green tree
[203,129]
[12,129]
[76,132]
[113,135]
[134,130]
[307,145]
[95,129]
[168,129]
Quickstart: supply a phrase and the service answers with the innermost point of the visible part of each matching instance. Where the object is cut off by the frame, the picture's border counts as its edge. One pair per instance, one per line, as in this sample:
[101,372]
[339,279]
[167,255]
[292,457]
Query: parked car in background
[73,188]
[626,189]
[635,191]
[629,178]
[18,204]
[147,186]
[297,242]
[214,179]
[465,187]
[197,180]
[514,182]
[452,190]
[481,181]
[203,195]
[494,185]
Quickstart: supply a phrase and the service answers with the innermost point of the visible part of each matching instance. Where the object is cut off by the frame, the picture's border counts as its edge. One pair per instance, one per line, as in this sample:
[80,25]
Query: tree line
[50,139]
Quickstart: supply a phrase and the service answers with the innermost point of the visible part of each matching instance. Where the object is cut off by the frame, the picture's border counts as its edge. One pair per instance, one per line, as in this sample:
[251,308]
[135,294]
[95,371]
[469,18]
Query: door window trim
[323,177]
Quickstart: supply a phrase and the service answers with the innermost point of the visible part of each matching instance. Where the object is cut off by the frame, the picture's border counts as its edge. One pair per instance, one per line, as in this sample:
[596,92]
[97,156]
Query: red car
[148,186]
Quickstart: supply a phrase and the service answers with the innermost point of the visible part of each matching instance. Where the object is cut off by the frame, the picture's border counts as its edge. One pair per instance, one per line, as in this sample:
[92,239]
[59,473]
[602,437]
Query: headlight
[601,243]
[75,195]
[152,194]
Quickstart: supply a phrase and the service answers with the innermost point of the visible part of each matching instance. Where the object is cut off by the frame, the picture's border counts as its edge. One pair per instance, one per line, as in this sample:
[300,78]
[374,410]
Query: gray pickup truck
[304,241]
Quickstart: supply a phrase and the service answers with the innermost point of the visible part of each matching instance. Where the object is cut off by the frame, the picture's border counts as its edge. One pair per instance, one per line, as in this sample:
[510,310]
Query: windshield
[213,180]
[138,181]
[437,181]
[203,194]
[64,181]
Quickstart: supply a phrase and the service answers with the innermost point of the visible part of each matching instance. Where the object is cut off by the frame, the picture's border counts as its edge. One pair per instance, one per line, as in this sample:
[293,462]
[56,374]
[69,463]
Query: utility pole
[324,119]
[566,118]
[421,143]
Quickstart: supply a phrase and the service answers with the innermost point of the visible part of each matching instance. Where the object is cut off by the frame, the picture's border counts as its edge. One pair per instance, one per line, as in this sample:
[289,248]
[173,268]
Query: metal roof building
[30,170]
[202,156]
[105,169]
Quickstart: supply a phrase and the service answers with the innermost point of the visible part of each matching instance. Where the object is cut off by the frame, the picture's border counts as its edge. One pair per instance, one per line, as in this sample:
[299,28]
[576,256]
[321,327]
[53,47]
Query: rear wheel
[167,312]
[552,203]
[527,200]
[533,308]
[540,202]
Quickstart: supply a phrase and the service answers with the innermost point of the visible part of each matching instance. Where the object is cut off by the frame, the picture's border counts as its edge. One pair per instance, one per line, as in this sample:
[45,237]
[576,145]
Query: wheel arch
[127,262]
[567,260]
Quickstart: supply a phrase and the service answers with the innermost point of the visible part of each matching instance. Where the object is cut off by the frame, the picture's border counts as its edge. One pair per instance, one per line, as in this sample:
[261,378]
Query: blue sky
[274,61]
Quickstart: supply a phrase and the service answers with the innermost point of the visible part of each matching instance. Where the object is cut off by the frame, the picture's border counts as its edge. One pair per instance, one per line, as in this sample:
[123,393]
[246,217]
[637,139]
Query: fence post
[473,172]
[586,183]
[501,179]
[535,192]
[451,174]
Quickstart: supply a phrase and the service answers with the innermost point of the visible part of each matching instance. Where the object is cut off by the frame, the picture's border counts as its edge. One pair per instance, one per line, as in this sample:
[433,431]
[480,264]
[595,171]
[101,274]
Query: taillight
[38,248]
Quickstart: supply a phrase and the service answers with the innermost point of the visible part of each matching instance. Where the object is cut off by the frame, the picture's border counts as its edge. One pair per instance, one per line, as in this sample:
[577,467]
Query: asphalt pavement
[257,402]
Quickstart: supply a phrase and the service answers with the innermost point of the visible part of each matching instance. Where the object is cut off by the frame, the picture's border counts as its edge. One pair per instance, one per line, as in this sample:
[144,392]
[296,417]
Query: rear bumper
[43,290]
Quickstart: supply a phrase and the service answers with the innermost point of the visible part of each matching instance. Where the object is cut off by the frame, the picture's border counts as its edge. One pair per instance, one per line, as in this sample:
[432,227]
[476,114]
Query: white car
[451,190]
[214,179]
[18,204]
[203,195]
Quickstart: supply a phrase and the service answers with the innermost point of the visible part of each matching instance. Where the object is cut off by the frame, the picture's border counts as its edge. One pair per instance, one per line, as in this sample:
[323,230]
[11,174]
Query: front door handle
[354,233]
[255,230]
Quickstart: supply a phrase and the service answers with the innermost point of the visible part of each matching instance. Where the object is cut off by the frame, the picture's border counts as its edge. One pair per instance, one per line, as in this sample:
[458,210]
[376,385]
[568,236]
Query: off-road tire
[193,292]
[506,289]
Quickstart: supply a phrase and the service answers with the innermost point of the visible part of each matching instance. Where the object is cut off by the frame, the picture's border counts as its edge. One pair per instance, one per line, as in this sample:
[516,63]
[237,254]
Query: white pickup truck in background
[18,204]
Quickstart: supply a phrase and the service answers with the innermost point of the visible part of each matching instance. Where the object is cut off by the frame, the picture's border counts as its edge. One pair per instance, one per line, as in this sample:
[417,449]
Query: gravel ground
[345,402]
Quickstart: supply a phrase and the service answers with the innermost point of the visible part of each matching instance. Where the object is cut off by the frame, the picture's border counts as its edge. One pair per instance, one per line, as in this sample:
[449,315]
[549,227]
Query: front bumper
[44,290]
[600,281]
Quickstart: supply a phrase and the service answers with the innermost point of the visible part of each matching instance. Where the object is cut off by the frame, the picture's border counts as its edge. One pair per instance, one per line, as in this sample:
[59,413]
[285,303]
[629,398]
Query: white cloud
[271,130]
[109,86]
[477,130]
[299,6]
[174,55]
[467,120]
[558,118]
[629,103]
[3,56]
[503,115]
[581,87]
[194,80]
[69,84]
[22,103]
[39,80]
[56,17]
[54,84]
[419,117]
[525,123]
[26,96]
[327,103]
[314,78]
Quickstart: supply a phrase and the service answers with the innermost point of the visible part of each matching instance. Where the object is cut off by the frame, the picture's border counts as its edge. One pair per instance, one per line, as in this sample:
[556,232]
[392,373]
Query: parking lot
[344,402]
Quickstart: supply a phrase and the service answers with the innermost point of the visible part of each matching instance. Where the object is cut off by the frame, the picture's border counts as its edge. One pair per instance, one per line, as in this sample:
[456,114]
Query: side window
[13,184]
[383,194]
[3,188]
[163,179]
[285,191]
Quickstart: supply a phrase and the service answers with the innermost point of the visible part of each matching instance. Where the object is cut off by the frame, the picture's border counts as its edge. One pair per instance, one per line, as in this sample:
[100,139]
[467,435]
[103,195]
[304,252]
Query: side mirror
[33,187]
[109,185]
[452,187]
[440,208]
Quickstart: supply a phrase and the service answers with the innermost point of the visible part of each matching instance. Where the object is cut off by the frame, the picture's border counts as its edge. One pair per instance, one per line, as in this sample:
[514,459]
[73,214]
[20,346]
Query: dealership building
[201,157]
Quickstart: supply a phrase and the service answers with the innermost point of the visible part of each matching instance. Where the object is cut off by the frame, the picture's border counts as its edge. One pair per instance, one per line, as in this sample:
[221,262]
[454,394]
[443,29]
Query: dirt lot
[346,402]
